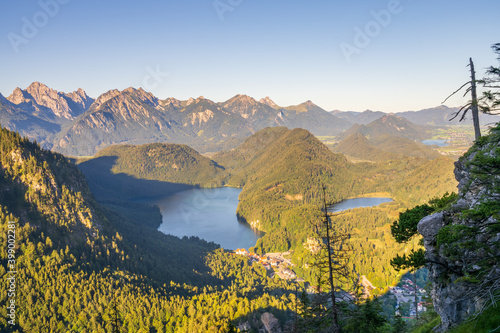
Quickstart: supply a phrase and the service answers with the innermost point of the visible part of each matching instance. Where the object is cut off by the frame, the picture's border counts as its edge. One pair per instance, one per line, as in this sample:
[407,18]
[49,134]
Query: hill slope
[357,145]
[77,263]
[281,172]
[128,172]
[163,162]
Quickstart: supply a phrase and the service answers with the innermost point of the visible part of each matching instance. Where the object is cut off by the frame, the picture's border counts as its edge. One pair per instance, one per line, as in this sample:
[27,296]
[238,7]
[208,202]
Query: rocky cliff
[463,242]
[55,105]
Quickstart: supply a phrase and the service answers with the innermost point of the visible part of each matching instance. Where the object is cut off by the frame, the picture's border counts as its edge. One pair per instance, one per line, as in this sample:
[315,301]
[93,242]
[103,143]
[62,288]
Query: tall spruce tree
[335,275]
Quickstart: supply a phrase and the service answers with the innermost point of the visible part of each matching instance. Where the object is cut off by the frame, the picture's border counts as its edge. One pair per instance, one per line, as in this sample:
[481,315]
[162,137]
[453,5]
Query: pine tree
[334,275]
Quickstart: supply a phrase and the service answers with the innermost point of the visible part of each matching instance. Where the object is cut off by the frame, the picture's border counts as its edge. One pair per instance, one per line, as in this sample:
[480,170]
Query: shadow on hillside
[267,319]
[165,258]
[107,186]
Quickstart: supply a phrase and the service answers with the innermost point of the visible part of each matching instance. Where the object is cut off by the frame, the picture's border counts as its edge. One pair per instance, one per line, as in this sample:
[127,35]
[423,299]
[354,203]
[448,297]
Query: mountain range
[77,125]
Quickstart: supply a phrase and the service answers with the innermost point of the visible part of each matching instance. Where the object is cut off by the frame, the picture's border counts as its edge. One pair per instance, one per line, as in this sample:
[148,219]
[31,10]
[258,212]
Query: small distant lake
[209,214]
[357,203]
[440,143]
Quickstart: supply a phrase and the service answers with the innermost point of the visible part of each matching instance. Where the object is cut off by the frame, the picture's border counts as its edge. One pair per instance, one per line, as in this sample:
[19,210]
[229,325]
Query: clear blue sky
[287,49]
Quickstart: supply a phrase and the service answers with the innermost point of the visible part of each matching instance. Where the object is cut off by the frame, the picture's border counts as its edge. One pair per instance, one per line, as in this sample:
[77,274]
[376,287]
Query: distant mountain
[362,118]
[78,125]
[269,102]
[383,148]
[204,120]
[133,116]
[392,125]
[104,98]
[262,115]
[437,116]
[130,116]
[26,123]
[38,112]
[357,145]
[50,103]
[441,115]
[313,118]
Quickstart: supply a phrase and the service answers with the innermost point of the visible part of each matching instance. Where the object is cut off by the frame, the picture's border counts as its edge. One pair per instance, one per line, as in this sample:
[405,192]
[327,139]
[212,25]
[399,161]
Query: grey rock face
[429,227]
[454,298]
[42,99]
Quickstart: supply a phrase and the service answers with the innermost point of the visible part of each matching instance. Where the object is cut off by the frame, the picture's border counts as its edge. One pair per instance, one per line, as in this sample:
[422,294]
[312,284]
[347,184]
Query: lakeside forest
[90,259]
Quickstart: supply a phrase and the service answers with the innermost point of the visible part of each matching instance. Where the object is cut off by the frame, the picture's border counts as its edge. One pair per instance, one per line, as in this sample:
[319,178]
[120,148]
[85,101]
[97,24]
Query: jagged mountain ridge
[200,123]
[39,112]
[76,124]
[26,122]
[55,105]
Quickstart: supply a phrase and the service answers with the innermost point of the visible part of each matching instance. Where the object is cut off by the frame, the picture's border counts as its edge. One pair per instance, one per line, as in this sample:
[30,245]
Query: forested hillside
[164,162]
[76,261]
[281,172]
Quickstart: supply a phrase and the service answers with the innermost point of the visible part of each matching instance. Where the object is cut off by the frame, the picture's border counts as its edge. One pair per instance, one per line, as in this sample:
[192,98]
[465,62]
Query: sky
[389,55]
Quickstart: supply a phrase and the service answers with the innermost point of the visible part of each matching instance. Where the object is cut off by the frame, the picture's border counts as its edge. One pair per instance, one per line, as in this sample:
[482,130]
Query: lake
[440,143]
[357,203]
[209,214]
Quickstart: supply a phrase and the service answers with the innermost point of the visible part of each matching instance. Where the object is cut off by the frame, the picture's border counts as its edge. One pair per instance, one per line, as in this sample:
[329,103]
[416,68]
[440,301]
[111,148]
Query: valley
[139,208]
[233,166]
[279,172]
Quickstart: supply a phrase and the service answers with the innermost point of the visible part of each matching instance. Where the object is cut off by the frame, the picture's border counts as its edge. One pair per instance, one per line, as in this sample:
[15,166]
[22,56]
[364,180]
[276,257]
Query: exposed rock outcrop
[462,243]
[269,102]
[49,102]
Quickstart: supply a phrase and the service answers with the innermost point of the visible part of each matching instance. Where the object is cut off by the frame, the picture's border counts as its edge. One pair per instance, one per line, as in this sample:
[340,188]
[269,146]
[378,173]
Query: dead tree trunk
[474,103]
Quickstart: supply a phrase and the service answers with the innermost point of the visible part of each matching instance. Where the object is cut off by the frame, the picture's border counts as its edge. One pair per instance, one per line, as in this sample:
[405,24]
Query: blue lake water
[440,143]
[209,214]
[357,203]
